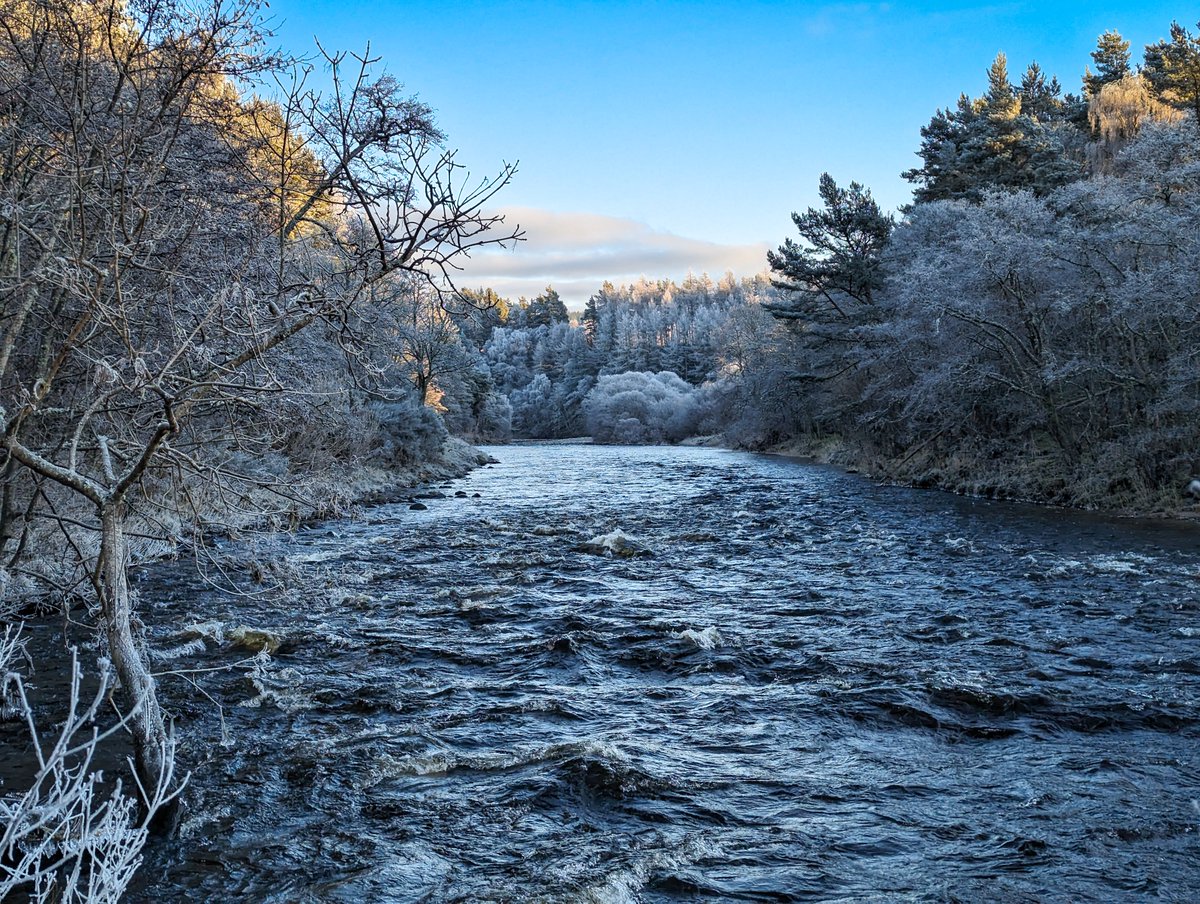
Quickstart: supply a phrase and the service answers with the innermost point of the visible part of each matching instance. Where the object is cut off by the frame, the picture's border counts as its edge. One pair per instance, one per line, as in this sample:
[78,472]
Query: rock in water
[708,639]
[255,639]
[616,543]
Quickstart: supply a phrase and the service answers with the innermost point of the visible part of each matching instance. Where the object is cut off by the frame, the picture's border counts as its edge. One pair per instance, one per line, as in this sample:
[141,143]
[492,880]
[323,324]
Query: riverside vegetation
[1027,327]
[202,261]
[226,303]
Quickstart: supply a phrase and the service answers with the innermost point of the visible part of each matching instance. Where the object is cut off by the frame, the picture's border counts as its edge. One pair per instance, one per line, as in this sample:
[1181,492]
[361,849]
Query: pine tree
[839,266]
[1040,98]
[546,309]
[1173,69]
[942,143]
[992,143]
[1111,57]
[1001,101]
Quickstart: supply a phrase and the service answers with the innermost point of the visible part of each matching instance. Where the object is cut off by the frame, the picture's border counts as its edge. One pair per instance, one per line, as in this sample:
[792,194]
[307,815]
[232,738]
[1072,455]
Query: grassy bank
[1034,475]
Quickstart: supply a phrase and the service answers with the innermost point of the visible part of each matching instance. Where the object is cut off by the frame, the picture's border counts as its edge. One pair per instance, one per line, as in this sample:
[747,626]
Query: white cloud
[577,252]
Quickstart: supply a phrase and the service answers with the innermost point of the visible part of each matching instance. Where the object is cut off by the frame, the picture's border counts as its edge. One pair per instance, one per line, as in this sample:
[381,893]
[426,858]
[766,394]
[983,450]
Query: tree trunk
[151,750]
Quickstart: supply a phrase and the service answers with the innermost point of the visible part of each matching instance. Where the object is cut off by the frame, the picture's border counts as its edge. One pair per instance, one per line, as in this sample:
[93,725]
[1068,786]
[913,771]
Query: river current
[674,674]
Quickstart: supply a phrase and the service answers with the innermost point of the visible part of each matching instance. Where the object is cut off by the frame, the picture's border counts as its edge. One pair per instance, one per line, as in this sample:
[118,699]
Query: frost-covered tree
[648,326]
[1051,330]
[478,313]
[546,309]
[472,407]
[638,407]
[429,346]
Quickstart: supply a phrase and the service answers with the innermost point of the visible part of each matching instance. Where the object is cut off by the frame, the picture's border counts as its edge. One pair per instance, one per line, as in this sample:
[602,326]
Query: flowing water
[787,684]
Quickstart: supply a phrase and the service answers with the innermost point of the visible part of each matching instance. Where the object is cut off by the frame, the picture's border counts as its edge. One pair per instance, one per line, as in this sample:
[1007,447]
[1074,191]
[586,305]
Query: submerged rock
[193,638]
[206,630]
[958,546]
[418,507]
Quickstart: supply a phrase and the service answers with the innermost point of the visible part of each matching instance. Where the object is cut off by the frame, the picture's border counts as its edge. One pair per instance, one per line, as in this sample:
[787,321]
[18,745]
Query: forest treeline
[1029,326]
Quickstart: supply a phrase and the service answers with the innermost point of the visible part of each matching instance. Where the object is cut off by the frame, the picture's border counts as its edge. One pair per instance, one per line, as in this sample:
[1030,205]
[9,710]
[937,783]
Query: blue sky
[654,138]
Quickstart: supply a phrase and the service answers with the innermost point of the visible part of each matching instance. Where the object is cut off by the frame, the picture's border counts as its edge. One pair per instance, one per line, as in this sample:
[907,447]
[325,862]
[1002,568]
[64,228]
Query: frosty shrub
[67,834]
[411,432]
[495,419]
[640,407]
[333,429]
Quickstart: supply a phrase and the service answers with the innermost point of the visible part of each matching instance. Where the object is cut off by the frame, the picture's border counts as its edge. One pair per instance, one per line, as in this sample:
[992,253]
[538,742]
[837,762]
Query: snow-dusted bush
[331,430]
[494,423]
[641,407]
[412,433]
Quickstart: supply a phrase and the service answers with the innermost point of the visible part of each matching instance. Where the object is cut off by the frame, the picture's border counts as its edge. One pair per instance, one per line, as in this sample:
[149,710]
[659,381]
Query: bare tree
[428,341]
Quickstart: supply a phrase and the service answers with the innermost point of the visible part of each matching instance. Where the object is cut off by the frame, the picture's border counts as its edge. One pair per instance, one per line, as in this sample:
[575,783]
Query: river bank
[1039,479]
[374,485]
[262,509]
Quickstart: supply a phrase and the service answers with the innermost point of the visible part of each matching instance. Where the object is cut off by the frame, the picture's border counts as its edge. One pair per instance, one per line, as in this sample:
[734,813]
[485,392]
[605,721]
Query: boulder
[617,544]
[257,639]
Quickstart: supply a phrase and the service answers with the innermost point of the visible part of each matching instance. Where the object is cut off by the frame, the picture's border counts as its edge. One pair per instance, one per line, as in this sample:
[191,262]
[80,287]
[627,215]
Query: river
[798,686]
